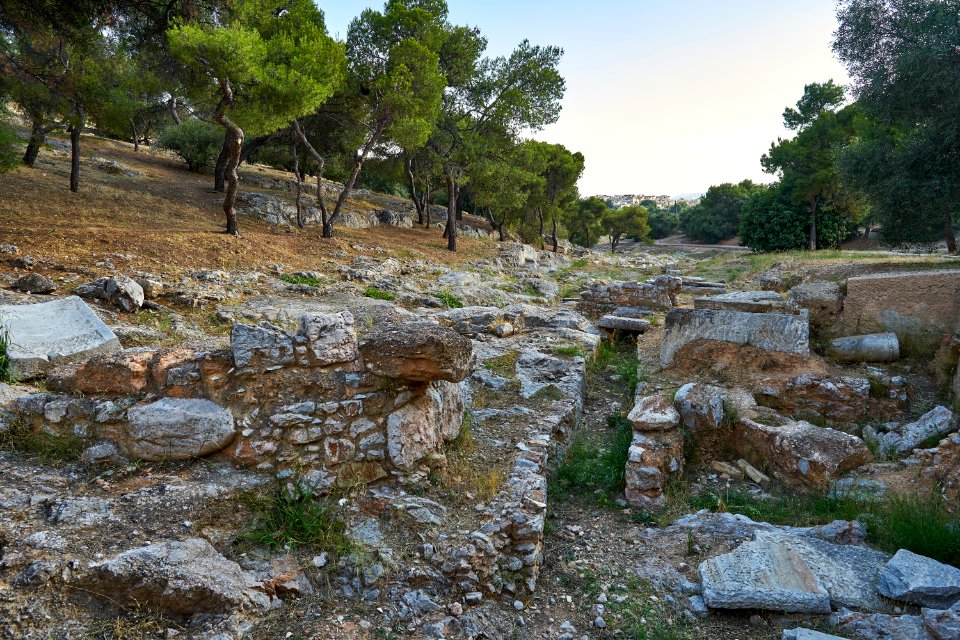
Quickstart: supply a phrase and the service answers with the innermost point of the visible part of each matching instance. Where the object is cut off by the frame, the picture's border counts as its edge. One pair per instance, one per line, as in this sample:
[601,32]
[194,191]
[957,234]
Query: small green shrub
[569,350]
[6,373]
[197,142]
[587,467]
[295,519]
[379,294]
[296,278]
[450,300]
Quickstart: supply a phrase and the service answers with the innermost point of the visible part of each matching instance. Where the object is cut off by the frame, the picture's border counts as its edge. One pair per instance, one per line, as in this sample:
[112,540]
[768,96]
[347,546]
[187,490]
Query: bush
[663,224]
[9,145]
[769,222]
[294,519]
[589,468]
[197,142]
[717,217]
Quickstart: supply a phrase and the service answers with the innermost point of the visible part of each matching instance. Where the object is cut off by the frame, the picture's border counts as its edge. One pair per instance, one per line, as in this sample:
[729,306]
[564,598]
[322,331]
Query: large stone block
[822,299]
[919,306]
[910,577]
[419,352]
[784,333]
[56,332]
[178,429]
[803,455]
[749,301]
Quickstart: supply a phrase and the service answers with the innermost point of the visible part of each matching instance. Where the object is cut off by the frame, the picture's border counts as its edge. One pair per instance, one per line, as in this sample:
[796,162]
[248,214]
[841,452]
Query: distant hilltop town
[662,202]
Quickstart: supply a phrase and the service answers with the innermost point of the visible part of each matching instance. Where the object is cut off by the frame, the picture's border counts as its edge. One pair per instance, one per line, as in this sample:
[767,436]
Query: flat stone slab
[910,577]
[807,634]
[781,332]
[178,429]
[632,312]
[51,333]
[803,574]
[704,289]
[619,323]
[750,301]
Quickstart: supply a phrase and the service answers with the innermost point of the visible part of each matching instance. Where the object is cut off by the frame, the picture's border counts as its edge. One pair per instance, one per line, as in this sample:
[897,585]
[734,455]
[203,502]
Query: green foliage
[663,224]
[717,216]
[587,467]
[922,524]
[379,294]
[197,142]
[771,222]
[625,222]
[569,350]
[293,518]
[297,278]
[450,300]
[902,59]
[6,375]
[584,221]
[9,144]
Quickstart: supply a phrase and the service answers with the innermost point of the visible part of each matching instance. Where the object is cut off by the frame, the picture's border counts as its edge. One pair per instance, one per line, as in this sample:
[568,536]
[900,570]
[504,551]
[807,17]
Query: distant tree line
[889,159]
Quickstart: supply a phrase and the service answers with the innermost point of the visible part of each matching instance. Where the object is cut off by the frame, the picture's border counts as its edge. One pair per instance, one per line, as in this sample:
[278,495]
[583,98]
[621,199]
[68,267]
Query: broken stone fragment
[177,429]
[177,578]
[124,293]
[50,333]
[800,454]
[35,283]
[108,374]
[910,577]
[654,413]
[331,337]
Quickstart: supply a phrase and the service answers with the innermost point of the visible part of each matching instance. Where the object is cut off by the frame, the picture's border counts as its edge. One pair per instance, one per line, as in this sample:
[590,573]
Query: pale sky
[663,97]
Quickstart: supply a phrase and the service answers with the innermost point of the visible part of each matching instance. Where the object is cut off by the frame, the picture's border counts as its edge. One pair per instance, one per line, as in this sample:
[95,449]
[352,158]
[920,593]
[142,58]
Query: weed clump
[292,518]
[299,278]
[379,294]
[451,301]
[590,467]
[6,369]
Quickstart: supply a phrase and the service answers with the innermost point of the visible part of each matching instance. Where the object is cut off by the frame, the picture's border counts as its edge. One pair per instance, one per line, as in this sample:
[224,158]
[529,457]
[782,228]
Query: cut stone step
[620,323]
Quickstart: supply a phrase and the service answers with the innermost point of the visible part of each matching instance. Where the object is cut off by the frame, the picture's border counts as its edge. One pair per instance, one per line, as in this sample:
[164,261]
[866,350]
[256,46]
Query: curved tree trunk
[230,171]
[553,235]
[172,103]
[38,135]
[352,180]
[253,144]
[326,226]
[219,171]
[301,222]
[412,186]
[428,204]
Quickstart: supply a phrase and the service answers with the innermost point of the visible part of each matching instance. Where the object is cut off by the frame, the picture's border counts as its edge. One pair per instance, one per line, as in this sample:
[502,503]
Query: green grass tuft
[589,467]
[379,294]
[294,278]
[48,448]
[569,350]
[450,300]
[295,519]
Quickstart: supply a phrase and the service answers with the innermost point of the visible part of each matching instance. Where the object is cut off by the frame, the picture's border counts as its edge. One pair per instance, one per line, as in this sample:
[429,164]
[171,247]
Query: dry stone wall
[318,403]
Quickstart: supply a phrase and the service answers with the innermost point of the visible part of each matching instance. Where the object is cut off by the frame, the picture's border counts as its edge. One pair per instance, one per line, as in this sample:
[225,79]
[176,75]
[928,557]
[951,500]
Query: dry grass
[170,220]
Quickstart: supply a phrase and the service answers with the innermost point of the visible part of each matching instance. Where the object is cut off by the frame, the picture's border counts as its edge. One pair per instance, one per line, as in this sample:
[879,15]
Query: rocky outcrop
[782,572]
[50,333]
[802,455]
[176,578]
[783,333]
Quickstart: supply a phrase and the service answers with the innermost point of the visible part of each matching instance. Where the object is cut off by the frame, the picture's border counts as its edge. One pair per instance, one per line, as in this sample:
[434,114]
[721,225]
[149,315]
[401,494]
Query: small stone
[320,561]
[518,605]
[455,609]
[600,623]
[35,283]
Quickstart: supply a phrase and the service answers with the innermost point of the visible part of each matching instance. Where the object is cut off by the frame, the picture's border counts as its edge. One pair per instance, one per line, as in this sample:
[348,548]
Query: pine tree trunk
[38,135]
[352,180]
[412,186]
[219,171]
[556,249]
[136,135]
[325,225]
[301,222]
[813,223]
[451,230]
[235,135]
[75,155]
[172,103]
[950,236]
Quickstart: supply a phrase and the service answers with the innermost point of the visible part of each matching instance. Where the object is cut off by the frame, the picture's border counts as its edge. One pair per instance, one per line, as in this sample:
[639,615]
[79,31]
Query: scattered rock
[916,579]
[35,283]
[936,423]
[125,293]
[654,413]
